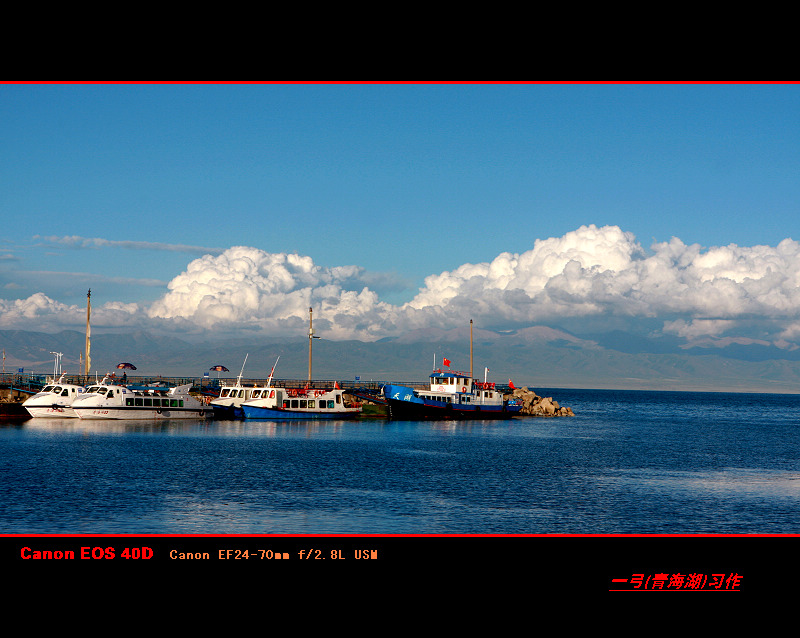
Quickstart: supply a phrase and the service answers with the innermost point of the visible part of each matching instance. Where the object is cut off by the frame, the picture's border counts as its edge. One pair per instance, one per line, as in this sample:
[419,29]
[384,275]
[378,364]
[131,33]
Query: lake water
[627,463]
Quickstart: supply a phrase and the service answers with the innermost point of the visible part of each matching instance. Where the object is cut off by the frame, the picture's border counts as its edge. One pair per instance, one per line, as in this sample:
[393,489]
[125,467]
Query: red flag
[511,385]
[446,361]
[336,385]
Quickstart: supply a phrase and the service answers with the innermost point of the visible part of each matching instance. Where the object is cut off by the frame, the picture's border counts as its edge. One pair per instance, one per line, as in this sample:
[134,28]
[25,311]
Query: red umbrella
[129,366]
[219,368]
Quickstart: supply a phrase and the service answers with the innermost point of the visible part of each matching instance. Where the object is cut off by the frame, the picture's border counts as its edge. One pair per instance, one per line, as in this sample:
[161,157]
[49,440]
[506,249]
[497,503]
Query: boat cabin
[451,382]
[64,391]
[458,387]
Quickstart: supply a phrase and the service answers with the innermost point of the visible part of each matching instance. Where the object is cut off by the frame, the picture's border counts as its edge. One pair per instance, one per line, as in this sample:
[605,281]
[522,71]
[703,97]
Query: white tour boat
[55,400]
[110,401]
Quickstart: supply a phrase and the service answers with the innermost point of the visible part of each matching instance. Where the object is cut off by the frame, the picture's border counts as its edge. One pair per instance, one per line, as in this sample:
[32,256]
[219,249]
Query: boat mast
[88,332]
[470,349]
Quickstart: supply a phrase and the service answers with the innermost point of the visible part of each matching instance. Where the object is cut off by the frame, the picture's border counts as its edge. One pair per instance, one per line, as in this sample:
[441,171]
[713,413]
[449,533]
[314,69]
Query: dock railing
[32,382]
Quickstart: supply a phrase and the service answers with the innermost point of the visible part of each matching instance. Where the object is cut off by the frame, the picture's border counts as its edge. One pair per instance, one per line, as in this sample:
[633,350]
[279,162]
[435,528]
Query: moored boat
[109,401]
[54,400]
[229,403]
[280,403]
[451,395]
[299,403]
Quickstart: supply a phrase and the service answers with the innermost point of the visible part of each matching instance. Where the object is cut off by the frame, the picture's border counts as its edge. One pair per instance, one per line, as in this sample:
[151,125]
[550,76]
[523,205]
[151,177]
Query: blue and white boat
[451,395]
[229,403]
[299,403]
[271,403]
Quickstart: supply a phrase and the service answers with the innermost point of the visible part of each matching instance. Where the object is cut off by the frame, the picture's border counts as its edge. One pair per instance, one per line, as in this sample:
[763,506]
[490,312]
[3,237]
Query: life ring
[464,389]
[292,393]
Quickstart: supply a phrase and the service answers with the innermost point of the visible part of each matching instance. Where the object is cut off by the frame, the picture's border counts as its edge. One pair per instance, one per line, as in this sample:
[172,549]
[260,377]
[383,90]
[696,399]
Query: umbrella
[219,368]
[129,366]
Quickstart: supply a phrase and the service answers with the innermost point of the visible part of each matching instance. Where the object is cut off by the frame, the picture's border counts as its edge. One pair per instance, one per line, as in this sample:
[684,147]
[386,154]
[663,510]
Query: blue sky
[404,181]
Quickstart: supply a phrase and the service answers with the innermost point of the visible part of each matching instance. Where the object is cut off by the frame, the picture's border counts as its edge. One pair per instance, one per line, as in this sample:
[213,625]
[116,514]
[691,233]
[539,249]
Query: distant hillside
[538,357]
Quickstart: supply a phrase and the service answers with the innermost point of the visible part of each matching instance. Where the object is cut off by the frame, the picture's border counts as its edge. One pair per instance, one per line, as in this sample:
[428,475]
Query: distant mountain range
[538,356]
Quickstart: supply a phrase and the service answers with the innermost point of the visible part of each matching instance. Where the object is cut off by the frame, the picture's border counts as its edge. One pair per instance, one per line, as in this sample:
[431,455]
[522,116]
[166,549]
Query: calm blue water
[628,462]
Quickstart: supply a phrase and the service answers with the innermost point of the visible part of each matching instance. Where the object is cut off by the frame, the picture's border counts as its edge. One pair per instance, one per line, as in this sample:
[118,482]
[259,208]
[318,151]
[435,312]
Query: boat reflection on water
[192,427]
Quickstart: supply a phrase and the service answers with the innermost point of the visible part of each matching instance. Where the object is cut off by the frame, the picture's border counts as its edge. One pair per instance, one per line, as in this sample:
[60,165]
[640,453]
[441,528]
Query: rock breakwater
[534,405]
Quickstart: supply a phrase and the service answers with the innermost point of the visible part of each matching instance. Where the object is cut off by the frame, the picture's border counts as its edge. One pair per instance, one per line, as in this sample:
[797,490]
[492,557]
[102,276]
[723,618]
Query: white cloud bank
[588,273]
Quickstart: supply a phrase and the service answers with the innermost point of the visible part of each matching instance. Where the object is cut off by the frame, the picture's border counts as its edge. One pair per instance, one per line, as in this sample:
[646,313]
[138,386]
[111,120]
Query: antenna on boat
[241,372]
[271,372]
[56,365]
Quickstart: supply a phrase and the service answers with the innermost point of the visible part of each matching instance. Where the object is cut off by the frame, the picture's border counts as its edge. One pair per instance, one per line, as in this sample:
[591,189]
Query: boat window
[129,401]
[57,389]
[294,403]
[338,398]
[312,404]
[138,401]
[330,405]
[65,393]
[256,394]
[47,388]
[148,403]
[225,392]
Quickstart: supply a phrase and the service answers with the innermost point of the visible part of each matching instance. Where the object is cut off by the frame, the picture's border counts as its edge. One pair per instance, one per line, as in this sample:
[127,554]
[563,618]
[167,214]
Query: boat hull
[143,414]
[12,411]
[51,411]
[278,414]
[227,412]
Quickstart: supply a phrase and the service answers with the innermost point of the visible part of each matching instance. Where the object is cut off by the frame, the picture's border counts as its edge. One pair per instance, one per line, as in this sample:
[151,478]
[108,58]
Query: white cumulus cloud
[589,273]
[248,287]
[605,272]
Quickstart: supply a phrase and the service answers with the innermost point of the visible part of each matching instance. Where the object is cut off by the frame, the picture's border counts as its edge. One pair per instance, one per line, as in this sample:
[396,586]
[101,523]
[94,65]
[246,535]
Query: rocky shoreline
[534,405]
